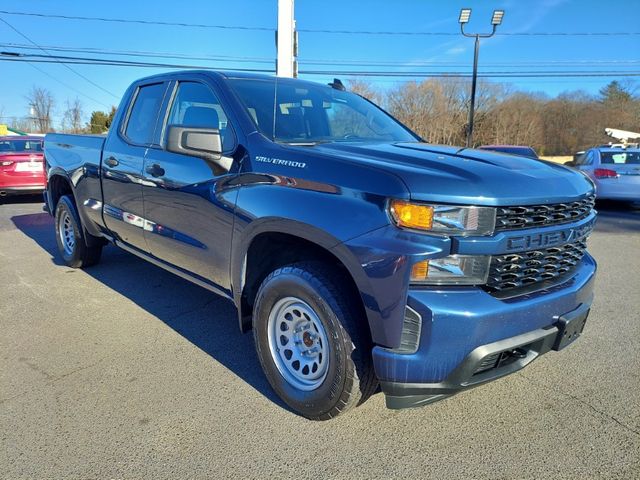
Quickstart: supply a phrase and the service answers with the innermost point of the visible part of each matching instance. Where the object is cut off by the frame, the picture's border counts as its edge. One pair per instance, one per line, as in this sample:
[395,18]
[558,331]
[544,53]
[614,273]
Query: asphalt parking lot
[125,371]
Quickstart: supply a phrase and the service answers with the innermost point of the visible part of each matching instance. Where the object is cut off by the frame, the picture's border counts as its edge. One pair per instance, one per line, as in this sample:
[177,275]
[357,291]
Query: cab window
[143,117]
[195,105]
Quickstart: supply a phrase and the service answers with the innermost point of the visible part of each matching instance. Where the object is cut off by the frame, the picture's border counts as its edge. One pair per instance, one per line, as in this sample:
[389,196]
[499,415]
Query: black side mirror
[205,143]
[570,163]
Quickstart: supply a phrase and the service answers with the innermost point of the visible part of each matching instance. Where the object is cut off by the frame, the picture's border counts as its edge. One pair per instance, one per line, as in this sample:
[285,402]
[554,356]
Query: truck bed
[77,158]
[68,151]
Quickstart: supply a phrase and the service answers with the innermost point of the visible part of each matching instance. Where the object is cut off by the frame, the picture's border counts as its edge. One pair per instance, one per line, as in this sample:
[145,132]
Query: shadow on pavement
[21,199]
[617,217]
[203,318]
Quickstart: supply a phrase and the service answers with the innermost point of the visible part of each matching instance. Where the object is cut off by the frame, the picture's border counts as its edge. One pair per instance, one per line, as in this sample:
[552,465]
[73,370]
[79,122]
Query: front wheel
[70,236]
[309,343]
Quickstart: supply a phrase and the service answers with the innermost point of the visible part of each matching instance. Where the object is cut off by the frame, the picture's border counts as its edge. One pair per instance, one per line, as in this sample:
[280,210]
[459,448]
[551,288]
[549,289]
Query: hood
[453,175]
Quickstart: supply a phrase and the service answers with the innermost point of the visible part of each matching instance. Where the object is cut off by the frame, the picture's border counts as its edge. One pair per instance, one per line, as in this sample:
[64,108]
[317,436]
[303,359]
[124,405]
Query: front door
[188,208]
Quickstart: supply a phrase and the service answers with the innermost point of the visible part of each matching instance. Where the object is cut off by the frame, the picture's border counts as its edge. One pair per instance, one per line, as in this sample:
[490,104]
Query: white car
[614,170]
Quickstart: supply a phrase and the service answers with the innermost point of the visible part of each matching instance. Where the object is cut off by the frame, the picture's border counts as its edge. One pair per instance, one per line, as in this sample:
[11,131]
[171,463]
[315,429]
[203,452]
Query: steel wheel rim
[298,343]
[66,233]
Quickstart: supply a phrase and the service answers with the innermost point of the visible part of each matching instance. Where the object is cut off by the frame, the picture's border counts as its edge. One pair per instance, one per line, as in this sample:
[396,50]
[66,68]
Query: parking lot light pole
[496,20]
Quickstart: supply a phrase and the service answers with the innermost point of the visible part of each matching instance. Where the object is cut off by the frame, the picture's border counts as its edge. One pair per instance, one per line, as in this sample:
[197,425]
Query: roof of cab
[224,75]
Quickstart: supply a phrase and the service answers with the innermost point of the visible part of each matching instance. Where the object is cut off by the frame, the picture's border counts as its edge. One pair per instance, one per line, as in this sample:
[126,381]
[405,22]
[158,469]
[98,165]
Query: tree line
[437,110]
[42,106]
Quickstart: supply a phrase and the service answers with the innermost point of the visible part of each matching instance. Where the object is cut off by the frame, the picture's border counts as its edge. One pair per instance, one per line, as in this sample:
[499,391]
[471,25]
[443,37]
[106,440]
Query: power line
[140,22]
[139,53]
[455,34]
[62,63]
[17,57]
[65,84]
[8,56]
[304,30]
[303,61]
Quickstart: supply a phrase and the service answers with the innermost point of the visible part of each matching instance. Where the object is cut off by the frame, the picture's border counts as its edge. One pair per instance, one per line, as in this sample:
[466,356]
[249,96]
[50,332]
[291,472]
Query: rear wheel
[70,236]
[310,346]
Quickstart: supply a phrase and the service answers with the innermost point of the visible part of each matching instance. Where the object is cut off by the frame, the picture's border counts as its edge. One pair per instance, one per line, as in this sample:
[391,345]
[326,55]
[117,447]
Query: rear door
[123,163]
[188,204]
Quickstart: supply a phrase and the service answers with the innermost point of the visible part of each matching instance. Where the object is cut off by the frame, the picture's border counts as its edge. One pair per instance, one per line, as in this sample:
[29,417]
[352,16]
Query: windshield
[622,158]
[302,112]
[20,146]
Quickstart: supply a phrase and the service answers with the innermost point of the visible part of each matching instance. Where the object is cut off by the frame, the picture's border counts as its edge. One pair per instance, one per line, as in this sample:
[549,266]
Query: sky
[335,54]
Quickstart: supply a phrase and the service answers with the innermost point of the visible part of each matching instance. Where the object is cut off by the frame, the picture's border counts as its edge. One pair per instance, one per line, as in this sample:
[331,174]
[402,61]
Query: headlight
[444,219]
[452,270]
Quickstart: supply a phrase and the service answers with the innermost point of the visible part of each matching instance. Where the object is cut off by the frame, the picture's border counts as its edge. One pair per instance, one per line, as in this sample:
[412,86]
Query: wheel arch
[271,243]
[58,184]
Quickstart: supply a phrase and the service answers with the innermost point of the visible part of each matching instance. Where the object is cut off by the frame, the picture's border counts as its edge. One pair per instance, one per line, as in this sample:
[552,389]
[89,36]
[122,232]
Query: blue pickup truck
[361,257]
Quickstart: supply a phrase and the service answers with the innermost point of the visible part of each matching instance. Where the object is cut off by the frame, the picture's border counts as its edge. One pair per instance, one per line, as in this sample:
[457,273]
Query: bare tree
[22,124]
[72,118]
[41,102]
[364,88]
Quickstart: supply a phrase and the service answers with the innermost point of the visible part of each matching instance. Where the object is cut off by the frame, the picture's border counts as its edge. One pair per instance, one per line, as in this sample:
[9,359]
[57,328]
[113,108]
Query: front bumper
[463,327]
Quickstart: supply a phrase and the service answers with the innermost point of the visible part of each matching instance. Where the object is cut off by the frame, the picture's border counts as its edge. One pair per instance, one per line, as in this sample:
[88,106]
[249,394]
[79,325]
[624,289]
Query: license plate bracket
[570,326]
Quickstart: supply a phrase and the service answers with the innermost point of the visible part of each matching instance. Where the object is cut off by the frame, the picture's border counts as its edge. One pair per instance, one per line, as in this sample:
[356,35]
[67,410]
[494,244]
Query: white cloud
[455,51]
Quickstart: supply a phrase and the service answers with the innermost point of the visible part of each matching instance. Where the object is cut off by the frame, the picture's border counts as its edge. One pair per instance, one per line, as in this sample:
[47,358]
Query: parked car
[356,253]
[577,157]
[615,172]
[21,167]
[512,150]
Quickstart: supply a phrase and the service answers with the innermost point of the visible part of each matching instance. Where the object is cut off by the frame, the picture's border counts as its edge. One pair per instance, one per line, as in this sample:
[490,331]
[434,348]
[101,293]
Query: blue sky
[390,52]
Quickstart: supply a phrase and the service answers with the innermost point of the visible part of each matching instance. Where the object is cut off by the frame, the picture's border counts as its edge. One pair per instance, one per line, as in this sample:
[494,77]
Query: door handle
[155,170]
[112,162]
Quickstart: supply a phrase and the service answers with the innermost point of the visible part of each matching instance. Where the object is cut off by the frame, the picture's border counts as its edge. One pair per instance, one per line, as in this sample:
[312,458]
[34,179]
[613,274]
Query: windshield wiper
[305,144]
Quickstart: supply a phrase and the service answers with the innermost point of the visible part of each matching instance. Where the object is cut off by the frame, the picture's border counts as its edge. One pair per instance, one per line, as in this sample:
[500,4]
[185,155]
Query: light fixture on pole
[496,20]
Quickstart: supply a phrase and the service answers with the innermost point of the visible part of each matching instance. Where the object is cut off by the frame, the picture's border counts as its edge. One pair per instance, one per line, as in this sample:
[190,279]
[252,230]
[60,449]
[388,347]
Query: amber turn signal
[411,215]
[420,271]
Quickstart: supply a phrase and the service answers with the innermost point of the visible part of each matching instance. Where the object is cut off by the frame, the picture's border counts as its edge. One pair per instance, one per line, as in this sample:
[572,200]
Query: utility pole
[286,41]
[496,20]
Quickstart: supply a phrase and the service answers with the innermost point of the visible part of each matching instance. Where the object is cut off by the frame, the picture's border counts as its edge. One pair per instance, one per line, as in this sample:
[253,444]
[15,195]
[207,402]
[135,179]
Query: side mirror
[205,143]
[570,163]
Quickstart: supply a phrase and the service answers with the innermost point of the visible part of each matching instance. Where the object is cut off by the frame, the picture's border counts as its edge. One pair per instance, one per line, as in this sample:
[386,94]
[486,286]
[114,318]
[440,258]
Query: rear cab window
[143,115]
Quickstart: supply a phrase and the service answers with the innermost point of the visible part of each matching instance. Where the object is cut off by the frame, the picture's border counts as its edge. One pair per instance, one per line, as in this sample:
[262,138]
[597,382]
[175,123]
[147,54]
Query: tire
[306,306]
[70,236]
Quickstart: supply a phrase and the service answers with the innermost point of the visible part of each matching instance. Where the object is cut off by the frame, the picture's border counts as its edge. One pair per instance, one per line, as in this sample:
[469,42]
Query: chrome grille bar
[519,217]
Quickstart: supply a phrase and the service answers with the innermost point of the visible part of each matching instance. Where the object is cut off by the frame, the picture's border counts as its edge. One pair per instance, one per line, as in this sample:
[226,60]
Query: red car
[21,165]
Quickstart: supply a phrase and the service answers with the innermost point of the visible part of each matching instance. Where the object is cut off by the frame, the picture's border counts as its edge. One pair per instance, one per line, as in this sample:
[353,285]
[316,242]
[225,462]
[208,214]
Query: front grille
[514,218]
[516,270]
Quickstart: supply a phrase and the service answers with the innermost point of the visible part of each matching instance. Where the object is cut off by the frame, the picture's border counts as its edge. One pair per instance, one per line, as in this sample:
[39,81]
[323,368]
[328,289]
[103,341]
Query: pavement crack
[50,380]
[583,402]
[65,375]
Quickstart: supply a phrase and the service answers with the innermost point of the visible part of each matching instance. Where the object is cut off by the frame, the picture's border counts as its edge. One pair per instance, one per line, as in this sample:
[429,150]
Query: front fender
[380,263]
[270,225]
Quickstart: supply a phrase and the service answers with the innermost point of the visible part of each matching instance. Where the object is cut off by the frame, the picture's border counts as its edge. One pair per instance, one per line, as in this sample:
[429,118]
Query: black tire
[350,377]
[80,255]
